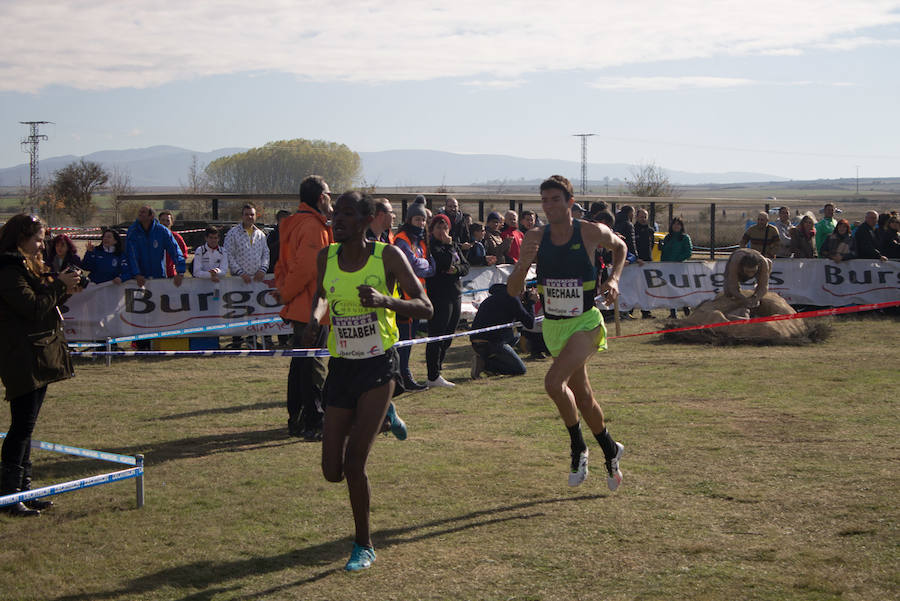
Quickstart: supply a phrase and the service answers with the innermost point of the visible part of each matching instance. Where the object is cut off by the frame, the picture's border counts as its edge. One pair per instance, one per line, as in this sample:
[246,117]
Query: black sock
[578,444]
[606,443]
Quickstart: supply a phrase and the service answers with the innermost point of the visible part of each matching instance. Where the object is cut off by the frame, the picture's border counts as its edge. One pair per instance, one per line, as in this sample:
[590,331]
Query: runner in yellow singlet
[357,284]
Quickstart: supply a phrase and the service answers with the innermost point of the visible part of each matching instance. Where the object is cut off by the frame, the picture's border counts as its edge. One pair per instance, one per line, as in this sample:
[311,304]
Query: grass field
[750,473]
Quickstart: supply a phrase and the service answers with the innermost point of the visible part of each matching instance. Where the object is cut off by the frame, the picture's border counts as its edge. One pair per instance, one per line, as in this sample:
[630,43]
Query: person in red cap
[445,292]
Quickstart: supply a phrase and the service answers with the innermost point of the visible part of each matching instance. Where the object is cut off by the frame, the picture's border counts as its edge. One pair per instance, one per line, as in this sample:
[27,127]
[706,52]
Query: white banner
[477,283]
[819,282]
[110,310]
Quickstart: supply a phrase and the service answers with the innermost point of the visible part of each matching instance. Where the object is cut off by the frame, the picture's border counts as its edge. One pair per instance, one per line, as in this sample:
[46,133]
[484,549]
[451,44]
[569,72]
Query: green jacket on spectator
[676,246]
[823,230]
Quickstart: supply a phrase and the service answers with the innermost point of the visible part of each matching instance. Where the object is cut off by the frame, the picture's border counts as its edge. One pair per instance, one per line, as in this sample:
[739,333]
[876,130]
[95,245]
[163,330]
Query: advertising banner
[110,310]
[819,282]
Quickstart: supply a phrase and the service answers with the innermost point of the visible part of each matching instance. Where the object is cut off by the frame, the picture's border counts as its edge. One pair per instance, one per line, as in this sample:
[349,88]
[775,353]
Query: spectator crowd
[441,247]
[876,236]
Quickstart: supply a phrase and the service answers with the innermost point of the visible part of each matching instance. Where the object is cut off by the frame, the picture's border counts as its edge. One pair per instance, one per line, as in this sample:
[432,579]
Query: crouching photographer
[494,352]
[33,350]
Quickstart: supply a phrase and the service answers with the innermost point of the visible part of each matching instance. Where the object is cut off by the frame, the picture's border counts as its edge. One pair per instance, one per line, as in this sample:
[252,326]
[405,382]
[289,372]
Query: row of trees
[276,168]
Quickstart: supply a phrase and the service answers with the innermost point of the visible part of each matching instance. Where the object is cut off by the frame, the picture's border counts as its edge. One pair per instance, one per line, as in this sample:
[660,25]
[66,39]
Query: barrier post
[617,317]
[712,231]
[139,482]
[108,349]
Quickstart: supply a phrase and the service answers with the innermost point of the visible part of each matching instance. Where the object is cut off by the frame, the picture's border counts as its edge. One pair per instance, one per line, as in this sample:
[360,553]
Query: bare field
[750,473]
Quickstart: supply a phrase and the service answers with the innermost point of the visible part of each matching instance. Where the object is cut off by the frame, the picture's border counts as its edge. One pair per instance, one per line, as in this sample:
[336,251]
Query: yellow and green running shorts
[558,331]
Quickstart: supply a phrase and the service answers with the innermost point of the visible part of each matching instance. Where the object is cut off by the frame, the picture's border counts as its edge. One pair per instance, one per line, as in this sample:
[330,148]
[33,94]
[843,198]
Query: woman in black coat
[839,245]
[625,227]
[445,292]
[889,240]
[33,349]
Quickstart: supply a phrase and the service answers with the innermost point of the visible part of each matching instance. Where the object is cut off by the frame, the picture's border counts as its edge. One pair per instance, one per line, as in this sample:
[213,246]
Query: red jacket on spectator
[170,264]
[516,245]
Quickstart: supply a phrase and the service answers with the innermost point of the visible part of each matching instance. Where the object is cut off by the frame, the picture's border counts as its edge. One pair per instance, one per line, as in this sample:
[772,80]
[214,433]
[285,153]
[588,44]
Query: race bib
[563,297]
[357,336]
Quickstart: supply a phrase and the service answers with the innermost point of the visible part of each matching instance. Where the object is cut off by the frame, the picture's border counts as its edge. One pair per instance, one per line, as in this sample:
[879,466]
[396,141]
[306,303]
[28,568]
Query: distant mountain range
[167,166]
[405,168]
[156,166]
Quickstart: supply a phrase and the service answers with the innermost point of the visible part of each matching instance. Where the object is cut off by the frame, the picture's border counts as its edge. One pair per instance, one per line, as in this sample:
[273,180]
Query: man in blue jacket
[494,349]
[147,243]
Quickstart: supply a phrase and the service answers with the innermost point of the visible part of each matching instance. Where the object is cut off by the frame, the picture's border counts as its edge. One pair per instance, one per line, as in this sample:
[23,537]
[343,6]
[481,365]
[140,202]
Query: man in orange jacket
[303,235]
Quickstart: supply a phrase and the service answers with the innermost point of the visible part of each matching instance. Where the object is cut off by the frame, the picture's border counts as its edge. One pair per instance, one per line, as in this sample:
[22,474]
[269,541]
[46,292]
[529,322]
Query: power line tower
[584,138]
[30,144]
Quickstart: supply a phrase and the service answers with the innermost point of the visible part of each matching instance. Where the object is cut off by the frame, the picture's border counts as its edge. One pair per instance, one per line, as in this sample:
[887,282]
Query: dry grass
[749,474]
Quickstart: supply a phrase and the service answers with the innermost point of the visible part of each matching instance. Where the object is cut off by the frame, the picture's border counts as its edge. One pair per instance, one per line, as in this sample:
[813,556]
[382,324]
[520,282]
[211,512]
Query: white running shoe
[579,469]
[614,475]
[439,382]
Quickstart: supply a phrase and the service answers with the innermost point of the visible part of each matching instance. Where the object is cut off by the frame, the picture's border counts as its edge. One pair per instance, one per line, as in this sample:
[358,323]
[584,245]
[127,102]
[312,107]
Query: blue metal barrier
[136,472]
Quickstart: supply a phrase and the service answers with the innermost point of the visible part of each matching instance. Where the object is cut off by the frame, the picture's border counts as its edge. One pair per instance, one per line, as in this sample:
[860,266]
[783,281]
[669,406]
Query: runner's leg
[566,383]
[370,412]
[335,428]
[585,402]
[578,349]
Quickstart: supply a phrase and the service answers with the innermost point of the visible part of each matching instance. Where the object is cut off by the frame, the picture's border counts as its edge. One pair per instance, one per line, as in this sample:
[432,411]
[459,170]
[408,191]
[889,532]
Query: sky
[803,89]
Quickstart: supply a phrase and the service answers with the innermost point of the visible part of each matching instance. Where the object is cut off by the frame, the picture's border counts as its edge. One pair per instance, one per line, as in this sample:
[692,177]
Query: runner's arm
[599,235]
[319,304]
[397,266]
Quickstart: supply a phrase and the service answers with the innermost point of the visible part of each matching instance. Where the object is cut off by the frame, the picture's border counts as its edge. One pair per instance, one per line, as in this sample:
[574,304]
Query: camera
[83,281]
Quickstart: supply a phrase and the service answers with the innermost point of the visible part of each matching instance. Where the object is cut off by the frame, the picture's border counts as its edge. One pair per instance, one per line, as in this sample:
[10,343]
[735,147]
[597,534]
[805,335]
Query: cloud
[782,52]
[666,84]
[656,84]
[105,44]
[858,42]
[495,84]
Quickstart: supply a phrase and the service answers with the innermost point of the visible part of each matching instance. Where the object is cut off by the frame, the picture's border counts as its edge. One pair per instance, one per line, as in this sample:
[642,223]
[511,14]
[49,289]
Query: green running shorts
[558,331]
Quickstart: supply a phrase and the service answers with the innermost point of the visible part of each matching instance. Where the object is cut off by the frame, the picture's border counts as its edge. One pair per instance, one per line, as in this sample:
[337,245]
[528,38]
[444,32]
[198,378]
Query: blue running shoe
[361,558]
[398,426]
